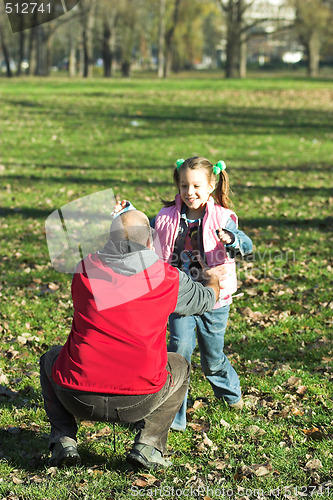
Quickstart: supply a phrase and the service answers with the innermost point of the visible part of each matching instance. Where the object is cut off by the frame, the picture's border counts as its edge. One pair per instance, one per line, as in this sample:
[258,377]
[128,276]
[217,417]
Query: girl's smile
[194,189]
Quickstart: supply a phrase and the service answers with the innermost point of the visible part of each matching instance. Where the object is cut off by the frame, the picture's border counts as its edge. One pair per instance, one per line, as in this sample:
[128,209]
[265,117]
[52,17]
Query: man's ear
[150,244]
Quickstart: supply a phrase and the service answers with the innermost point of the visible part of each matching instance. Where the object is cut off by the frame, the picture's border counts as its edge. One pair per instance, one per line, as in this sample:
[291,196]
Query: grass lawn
[63,139]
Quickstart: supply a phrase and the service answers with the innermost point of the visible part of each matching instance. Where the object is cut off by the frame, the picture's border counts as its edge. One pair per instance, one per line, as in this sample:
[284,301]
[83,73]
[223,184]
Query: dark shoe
[64,455]
[144,455]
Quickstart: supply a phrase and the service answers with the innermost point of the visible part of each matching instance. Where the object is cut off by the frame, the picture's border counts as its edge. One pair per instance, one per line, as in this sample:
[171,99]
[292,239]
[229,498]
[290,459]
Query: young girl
[199,222]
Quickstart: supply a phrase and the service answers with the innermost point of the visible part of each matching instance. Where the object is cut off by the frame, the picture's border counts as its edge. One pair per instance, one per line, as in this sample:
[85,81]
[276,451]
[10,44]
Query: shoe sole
[139,460]
[66,461]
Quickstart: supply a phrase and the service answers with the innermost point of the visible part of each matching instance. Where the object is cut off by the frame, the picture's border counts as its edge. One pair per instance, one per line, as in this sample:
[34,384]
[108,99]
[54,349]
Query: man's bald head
[132,225]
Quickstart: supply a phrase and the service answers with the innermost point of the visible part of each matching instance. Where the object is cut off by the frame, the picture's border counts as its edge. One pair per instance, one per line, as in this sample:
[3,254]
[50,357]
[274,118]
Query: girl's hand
[224,236]
[119,206]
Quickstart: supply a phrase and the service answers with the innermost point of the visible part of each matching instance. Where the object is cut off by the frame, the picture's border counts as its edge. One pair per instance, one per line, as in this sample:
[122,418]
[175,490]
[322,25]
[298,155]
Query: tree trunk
[87,56]
[49,53]
[87,37]
[32,53]
[232,62]
[161,40]
[72,56]
[5,51]
[21,53]
[126,69]
[167,61]
[313,55]
[169,40]
[108,48]
[233,40]
[242,58]
[40,52]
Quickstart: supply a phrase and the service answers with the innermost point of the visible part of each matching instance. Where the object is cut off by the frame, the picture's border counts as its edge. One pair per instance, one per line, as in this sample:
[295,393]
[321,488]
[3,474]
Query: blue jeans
[210,328]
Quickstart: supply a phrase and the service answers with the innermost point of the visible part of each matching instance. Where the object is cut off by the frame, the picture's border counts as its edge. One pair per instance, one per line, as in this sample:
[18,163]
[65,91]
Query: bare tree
[169,37]
[87,11]
[108,16]
[240,26]
[238,30]
[314,21]
[161,39]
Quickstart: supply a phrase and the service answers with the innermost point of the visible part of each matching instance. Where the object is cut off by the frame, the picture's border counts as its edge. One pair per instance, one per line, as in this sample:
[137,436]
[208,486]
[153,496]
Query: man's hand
[210,277]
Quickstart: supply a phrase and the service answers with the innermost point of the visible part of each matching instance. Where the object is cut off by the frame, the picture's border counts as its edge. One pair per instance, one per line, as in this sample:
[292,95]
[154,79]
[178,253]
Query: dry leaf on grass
[144,480]
[199,403]
[255,430]
[199,426]
[314,433]
[293,381]
[313,464]
[254,470]
[225,424]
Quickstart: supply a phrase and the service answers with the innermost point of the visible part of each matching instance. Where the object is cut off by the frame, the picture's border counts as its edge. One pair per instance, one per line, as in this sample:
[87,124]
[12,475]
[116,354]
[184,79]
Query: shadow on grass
[103,181]
[163,120]
[28,450]
[304,167]
[23,448]
[323,224]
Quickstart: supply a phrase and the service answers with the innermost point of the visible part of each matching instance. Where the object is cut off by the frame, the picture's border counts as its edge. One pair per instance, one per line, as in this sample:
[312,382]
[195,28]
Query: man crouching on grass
[114,366]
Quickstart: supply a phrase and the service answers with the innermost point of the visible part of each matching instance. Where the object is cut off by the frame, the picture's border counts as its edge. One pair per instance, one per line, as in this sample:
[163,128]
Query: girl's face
[195,189]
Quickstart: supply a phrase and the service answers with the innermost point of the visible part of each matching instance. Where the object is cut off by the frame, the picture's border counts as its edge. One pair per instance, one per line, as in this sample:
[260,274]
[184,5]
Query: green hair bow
[179,162]
[219,167]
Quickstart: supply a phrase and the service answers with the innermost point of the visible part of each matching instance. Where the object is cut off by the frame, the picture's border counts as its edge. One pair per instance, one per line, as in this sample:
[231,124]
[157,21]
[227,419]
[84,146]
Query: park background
[70,132]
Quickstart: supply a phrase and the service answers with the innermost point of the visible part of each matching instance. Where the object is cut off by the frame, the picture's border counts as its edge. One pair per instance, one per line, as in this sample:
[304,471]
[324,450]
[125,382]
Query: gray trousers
[154,411]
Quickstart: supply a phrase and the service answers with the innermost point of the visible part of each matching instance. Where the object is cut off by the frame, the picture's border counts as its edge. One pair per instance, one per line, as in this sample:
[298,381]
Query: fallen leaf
[225,424]
[199,403]
[220,465]
[262,471]
[53,286]
[314,433]
[21,340]
[52,471]
[244,471]
[313,464]
[254,429]
[17,480]
[207,441]
[297,412]
[199,426]
[191,468]
[301,390]
[141,483]
[149,478]
[293,381]
[3,378]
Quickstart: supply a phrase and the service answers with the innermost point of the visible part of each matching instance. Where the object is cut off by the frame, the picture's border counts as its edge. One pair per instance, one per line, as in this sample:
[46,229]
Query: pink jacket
[166,225]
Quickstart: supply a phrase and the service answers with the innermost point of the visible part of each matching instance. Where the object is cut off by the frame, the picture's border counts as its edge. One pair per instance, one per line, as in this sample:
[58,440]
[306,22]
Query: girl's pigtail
[221,193]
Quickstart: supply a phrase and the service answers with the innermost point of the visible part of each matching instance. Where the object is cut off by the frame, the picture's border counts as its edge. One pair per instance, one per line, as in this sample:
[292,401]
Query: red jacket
[117,343]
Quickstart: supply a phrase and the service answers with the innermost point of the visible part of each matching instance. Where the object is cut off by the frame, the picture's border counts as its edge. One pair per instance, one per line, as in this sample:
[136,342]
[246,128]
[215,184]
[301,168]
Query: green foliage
[64,139]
